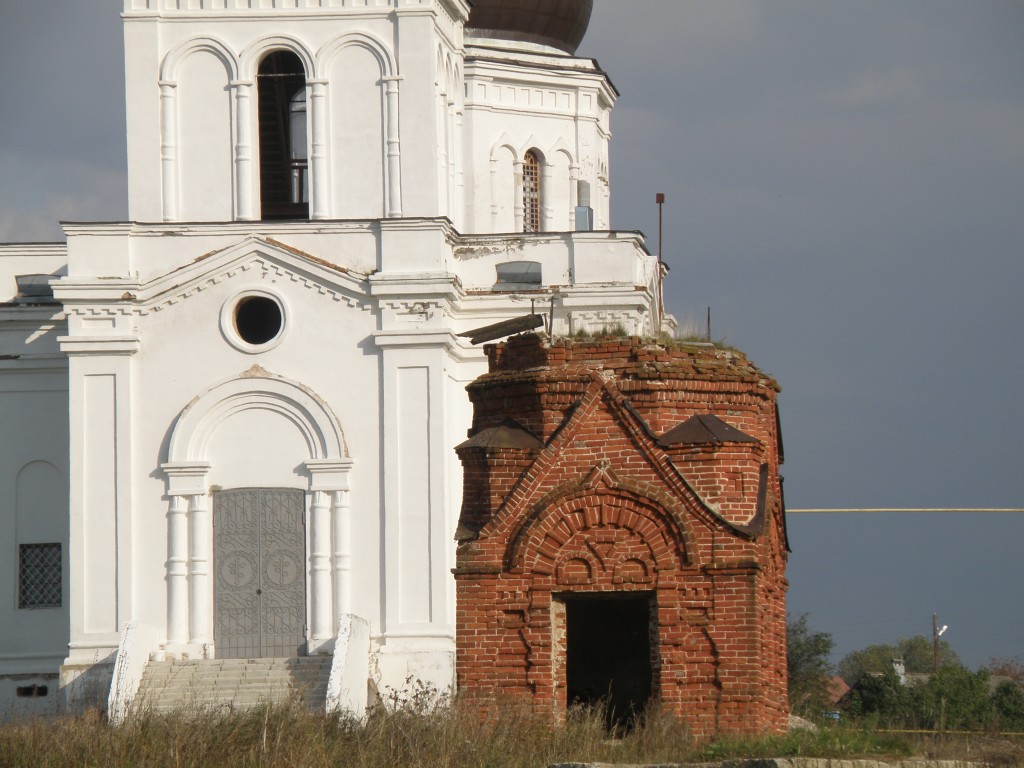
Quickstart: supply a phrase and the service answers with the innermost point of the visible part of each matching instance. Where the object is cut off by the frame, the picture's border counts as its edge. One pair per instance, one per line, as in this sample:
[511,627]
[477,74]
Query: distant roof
[703,429]
[837,688]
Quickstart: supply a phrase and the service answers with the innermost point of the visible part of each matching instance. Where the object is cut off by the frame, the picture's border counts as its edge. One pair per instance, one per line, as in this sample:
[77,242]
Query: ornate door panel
[259,586]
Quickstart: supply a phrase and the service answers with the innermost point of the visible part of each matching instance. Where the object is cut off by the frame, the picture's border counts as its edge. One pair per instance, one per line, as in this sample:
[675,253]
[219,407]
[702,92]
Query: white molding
[258,389]
[103,346]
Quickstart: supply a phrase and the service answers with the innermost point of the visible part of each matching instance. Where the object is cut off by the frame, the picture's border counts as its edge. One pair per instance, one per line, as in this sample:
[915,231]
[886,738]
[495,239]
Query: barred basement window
[39,576]
[31,691]
[531,192]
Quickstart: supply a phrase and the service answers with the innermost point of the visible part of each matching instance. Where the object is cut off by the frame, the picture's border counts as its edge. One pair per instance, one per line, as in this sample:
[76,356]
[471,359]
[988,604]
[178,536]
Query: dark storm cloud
[845,185]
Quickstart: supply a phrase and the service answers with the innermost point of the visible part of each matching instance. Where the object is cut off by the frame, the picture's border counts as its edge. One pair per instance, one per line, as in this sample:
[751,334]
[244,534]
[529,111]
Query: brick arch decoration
[630,529]
[595,540]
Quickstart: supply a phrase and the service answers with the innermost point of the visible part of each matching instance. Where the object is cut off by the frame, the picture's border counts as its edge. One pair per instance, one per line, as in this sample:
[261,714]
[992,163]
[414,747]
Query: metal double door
[259,552]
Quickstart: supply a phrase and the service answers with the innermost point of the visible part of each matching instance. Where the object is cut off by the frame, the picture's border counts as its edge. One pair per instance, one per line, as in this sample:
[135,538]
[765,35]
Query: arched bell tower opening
[532,192]
[284,150]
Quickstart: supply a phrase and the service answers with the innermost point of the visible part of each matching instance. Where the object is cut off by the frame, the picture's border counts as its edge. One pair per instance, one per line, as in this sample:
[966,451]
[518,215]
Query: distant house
[837,689]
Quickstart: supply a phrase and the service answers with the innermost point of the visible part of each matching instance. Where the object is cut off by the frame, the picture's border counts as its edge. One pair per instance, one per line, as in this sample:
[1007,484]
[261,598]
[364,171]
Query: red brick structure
[623,534]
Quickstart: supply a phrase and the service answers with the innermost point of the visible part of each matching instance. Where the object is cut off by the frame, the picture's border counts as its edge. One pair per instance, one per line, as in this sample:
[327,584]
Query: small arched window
[284,187]
[531,192]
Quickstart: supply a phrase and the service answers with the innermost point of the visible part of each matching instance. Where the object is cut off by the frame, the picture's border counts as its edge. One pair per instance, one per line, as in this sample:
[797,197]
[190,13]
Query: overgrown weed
[450,735]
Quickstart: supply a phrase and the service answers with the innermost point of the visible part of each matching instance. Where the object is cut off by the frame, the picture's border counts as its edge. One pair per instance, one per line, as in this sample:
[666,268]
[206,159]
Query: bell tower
[250,110]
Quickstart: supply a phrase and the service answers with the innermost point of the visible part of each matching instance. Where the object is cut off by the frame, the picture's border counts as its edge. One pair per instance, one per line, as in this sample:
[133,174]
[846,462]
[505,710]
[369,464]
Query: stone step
[168,686]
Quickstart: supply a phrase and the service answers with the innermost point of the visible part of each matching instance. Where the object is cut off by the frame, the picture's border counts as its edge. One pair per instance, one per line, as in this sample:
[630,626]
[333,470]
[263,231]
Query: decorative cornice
[99,345]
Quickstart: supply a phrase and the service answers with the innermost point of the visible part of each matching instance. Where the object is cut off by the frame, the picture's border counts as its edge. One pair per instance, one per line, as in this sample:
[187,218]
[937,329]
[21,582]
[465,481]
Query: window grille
[39,576]
[531,192]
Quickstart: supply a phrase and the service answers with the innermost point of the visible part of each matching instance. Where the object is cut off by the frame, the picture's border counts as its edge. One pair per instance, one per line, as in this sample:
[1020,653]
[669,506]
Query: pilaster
[417,539]
[100,547]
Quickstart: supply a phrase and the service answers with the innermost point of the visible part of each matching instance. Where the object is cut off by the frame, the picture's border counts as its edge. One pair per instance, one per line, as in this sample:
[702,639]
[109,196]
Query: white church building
[228,423]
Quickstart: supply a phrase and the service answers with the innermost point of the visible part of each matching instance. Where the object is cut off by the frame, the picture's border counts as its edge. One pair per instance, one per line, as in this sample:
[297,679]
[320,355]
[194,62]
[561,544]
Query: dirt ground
[995,750]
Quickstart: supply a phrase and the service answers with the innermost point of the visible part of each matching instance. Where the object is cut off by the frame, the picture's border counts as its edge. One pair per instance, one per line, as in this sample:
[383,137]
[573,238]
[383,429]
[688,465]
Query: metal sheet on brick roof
[703,429]
[509,434]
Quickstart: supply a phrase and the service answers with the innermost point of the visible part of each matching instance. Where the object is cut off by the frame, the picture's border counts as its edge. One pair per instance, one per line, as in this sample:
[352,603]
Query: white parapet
[350,670]
[138,640]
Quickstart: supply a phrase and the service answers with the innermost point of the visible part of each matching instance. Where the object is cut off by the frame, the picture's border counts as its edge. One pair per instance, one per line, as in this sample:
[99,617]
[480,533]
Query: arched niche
[203,133]
[504,189]
[357,68]
[311,419]
[41,502]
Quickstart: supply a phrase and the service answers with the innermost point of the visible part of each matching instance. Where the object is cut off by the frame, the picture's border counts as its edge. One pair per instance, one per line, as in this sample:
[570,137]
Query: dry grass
[448,737]
[996,750]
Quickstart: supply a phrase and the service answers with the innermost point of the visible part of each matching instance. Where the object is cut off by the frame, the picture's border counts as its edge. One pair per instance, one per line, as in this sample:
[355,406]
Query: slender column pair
[189,608]
[331,562]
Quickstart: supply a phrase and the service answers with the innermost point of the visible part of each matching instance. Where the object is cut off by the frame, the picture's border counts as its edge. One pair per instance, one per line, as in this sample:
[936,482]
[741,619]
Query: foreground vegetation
[448,737]
[936,692]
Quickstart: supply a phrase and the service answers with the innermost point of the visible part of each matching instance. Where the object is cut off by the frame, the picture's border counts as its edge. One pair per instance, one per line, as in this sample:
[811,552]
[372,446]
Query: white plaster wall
[33,476]
[33,510]
[204,138]
[517,102]
[185,352]
[163,48]
[144,252]
[28,259]
[356,128]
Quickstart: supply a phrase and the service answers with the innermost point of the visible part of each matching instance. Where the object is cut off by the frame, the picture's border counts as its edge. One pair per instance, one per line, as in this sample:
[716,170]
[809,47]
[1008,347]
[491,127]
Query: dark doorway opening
[608,654]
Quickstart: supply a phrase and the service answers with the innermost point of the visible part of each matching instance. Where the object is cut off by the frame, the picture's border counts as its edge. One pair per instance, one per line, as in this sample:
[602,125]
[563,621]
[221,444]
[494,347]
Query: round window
[258,319]
[254,321]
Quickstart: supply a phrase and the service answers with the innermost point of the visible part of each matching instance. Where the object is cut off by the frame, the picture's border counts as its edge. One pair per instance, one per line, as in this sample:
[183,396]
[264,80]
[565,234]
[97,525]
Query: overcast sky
[845,183]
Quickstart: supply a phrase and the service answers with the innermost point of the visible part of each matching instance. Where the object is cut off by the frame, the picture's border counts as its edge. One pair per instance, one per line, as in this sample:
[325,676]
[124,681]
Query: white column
[394,149]
[494,194]
[342,554]
[169,148]
[460,196]
[442,152]
[321,208]
[547,210]
[321,620]
[329,574]
[453,193]
[244,208]
[188,556]
[574,192]
[200,590]
[177,571]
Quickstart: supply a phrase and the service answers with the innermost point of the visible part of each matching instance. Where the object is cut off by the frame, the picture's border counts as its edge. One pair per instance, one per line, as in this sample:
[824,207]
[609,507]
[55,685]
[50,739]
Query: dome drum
[559,24]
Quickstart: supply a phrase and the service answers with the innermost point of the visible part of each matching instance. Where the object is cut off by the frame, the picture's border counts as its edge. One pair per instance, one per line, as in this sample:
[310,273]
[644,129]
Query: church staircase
[234,684]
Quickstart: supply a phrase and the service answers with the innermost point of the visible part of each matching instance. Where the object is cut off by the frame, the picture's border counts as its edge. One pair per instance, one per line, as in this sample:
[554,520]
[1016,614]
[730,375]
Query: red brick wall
[601,507]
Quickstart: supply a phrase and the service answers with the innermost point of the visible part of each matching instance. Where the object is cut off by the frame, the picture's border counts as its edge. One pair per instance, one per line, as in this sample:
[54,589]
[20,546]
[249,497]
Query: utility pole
[660,200]
[936,634]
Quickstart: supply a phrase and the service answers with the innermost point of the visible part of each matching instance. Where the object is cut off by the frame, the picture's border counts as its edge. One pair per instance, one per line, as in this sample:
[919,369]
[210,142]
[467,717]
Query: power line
[916,510]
